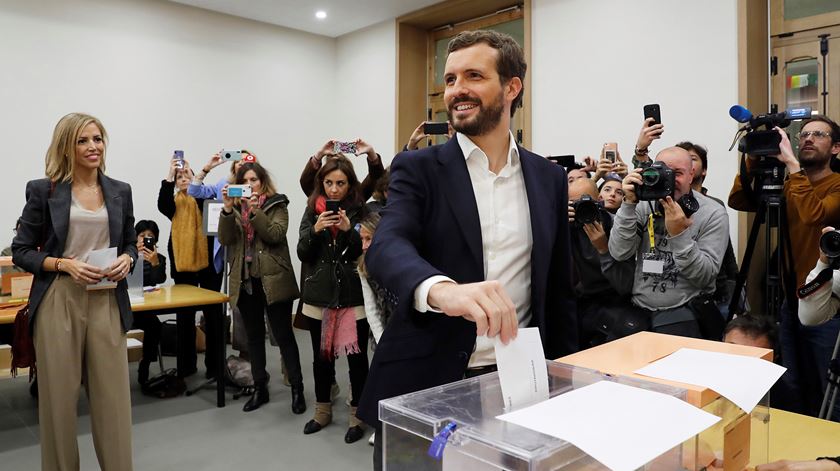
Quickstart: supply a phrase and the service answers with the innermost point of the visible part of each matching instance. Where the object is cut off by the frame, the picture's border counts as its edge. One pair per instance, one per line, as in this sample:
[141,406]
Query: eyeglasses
[817,134]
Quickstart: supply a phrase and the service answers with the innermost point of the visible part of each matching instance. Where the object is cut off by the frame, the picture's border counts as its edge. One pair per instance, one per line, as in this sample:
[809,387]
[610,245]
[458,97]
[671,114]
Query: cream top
[88,231]
[316,312]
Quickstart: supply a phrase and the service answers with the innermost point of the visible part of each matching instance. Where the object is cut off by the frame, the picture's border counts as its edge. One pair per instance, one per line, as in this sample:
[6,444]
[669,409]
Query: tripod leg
[735,305]
[832,386]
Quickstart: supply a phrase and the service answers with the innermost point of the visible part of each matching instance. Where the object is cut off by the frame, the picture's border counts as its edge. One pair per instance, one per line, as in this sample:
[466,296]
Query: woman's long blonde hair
[370,222]
[61,156]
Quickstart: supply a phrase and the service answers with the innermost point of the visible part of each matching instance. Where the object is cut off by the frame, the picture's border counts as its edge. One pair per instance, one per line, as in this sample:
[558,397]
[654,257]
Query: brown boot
[356,430]
[323,416]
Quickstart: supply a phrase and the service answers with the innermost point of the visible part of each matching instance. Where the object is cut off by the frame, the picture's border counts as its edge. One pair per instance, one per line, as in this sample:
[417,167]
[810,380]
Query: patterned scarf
[189,245]
[338,333]
[249,229]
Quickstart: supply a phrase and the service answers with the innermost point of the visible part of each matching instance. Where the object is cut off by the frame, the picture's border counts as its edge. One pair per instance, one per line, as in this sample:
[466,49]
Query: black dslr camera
[587,211]
[830,246]
[657,182]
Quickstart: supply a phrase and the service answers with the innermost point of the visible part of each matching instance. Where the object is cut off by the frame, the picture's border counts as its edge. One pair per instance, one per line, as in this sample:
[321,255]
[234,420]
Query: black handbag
[708,316]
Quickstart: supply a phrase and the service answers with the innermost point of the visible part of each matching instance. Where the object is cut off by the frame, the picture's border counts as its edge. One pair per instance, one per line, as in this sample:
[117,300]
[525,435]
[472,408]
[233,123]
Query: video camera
[760,142]
[657,182]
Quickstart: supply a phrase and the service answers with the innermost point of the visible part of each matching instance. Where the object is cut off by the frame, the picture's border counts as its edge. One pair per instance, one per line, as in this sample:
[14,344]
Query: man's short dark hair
[835,129]
[753,327]
[510,63]
[700,150]
[144,225]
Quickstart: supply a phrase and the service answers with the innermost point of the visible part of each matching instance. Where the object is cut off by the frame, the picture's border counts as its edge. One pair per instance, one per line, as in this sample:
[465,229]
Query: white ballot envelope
[102,259]
[522,371]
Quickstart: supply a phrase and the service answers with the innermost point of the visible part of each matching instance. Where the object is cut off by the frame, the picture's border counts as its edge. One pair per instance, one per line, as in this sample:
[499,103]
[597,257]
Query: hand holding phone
[239,191]
[610,151]
[333,205]
[344,147]
[149,243]
[652,111]
[178,156]
[432,128]
[231,155]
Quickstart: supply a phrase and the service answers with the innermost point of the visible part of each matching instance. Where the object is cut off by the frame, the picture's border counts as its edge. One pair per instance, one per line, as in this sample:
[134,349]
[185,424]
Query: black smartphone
[332,205]
[652,111]
[149,242]
[435,128]
[562,160]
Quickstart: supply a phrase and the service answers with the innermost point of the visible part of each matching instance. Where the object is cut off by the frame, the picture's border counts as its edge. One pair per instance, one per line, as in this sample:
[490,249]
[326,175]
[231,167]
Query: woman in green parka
[253,229]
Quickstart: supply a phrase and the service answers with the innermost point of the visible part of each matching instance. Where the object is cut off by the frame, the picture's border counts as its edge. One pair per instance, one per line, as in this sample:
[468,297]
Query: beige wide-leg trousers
[78,336]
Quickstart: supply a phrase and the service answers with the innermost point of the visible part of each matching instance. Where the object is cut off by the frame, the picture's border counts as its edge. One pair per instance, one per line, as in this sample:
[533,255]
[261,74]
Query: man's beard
[815,160]
[483,122]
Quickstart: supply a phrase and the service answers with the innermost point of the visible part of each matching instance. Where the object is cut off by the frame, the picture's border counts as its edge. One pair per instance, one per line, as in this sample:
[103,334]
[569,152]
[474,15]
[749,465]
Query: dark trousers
[324,369]
[806,351]
[152,328]
[207,278]
[252,306]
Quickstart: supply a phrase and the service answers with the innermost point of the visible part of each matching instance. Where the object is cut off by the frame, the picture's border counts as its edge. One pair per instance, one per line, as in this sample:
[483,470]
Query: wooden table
[174,299]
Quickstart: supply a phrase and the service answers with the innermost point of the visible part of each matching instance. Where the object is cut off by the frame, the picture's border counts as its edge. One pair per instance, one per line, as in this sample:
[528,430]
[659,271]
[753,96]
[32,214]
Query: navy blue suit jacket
[430,226]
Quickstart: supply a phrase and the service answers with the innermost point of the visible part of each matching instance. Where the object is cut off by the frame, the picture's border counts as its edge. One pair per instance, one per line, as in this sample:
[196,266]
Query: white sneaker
[372,439]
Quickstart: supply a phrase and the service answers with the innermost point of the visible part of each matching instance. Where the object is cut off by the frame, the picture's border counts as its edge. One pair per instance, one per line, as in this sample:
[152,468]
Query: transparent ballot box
[481,441]
[737,440]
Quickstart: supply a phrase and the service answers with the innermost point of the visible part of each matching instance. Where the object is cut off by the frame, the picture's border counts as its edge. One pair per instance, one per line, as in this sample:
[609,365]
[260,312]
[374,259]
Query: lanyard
[650,233]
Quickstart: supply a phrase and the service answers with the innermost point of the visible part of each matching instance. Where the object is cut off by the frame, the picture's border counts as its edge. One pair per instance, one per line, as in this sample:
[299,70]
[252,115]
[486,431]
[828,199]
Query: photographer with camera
[331,149]
[812,195]
[603,283]
[678,239]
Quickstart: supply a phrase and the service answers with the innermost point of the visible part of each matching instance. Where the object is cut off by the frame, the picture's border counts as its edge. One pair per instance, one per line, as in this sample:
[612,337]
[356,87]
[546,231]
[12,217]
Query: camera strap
[650,233]
[809,288]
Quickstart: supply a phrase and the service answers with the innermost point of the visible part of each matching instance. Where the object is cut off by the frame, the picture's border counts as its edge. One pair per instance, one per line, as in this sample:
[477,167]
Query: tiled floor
[190,433]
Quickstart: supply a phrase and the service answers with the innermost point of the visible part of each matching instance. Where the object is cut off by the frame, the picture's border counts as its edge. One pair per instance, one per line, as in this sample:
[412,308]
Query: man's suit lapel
[457,186]
[541,209]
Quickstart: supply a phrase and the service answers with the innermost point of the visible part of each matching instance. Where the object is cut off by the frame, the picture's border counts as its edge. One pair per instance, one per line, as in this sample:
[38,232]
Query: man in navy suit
[474,240]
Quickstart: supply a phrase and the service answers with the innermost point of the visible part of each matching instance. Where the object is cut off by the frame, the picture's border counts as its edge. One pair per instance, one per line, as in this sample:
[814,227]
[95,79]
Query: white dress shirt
[505,235]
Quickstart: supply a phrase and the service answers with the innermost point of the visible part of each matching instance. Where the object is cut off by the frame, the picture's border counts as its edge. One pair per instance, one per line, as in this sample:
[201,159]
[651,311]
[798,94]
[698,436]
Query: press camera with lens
[830,246]
[657,182]
[587,210]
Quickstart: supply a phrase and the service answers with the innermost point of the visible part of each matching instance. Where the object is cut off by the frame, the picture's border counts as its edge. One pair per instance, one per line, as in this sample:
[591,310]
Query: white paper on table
[523,373]
[622,427]
[741,379]
[102,259]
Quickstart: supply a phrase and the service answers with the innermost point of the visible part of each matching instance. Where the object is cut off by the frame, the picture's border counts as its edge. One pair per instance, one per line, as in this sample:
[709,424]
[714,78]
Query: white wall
[595,64]
[161,76]
[366,90]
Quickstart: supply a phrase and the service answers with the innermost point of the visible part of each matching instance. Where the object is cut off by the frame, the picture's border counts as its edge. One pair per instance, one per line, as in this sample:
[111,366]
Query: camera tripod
[772,213]
[833,387]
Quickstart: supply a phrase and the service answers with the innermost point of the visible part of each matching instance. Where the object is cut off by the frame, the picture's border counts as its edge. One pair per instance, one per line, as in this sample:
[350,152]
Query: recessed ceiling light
[320,14]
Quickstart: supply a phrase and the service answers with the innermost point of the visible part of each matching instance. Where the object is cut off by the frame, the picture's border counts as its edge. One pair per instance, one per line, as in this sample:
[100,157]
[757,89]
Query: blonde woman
[79,334]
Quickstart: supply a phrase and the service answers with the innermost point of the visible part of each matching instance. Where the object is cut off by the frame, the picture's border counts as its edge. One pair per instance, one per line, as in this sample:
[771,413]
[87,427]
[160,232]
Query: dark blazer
[431,227]
[49,216]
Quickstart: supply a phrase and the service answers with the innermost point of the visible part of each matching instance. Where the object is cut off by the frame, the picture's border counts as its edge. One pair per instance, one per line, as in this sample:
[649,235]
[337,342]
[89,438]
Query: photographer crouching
[812,195]
[603,283]
[678,238]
